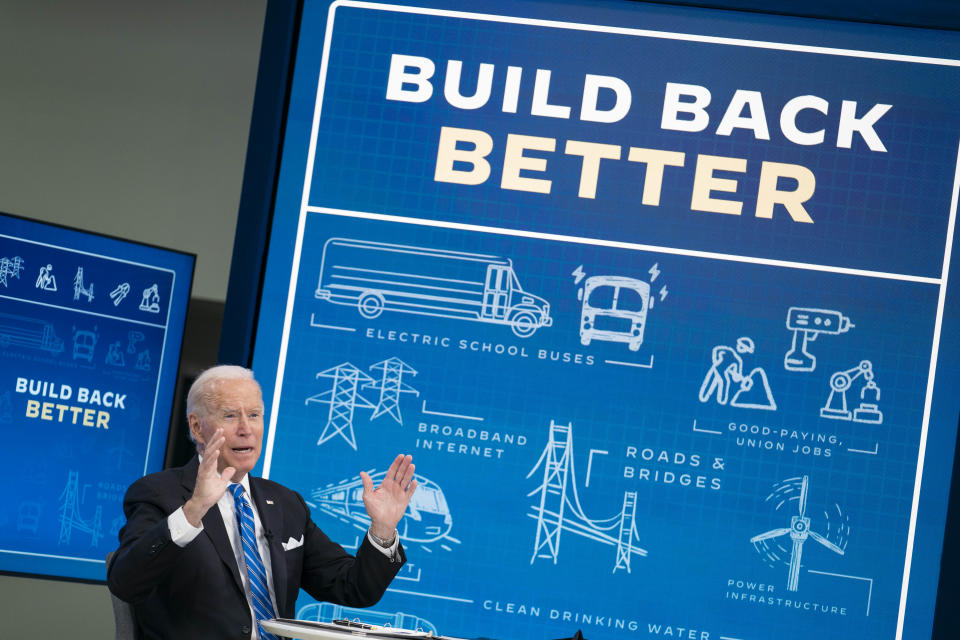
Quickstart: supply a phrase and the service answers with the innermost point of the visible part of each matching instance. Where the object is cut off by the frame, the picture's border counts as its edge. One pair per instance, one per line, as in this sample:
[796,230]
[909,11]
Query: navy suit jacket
[196,592]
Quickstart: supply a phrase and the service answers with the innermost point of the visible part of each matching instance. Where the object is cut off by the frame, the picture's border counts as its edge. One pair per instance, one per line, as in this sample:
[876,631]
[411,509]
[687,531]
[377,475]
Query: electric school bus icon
[432,282]
[614,309]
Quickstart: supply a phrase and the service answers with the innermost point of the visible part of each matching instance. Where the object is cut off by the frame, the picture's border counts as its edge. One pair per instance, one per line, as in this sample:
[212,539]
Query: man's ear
[195,429]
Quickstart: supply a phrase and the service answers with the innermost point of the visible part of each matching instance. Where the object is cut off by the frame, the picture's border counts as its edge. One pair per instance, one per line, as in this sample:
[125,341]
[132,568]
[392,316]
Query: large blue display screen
[661,301]
[90,334]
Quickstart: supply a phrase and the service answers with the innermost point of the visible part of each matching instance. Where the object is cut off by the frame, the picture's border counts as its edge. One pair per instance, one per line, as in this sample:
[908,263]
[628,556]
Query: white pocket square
[292,544]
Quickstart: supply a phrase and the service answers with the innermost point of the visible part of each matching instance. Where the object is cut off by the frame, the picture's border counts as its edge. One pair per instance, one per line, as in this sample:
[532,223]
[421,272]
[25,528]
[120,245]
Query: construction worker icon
[727,373]
[46,280]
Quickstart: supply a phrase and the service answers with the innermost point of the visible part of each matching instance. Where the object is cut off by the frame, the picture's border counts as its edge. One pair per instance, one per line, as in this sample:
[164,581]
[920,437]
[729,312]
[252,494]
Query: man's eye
[229,416]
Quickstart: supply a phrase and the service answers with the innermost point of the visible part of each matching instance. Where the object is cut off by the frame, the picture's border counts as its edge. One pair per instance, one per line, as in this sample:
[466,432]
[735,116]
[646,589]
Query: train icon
[426,520]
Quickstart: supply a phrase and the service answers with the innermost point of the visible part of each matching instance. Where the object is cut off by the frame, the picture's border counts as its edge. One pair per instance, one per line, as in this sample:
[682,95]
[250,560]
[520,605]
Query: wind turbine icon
[799,531]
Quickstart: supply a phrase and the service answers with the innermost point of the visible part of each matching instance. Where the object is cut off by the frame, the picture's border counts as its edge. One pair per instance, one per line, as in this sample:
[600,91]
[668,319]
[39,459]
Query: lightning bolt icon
[578,274]
[654,271]
[663,293]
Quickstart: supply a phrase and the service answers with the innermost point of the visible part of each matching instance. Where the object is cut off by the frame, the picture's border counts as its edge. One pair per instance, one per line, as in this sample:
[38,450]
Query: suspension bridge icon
[79,289]
[70,514]
[558,507]
[798,531]
[345,396]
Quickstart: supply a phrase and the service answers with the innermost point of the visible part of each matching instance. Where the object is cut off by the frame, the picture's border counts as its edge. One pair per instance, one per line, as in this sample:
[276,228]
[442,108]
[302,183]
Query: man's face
[236,406]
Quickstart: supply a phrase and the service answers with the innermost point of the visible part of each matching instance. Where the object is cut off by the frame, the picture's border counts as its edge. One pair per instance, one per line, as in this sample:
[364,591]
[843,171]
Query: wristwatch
[386,543]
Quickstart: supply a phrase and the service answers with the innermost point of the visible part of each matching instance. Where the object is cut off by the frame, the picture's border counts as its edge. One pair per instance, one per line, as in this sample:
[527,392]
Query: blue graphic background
[885,212]
[64,471]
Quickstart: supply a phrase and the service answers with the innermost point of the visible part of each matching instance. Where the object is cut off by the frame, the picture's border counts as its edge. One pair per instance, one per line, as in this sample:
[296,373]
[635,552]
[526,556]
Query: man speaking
[208,551]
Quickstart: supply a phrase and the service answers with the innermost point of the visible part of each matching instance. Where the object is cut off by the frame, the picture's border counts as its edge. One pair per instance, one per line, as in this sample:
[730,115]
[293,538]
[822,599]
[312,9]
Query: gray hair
[204,387]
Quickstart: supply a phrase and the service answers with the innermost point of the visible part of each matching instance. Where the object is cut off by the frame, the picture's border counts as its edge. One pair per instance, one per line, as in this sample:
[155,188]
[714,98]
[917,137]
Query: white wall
[127,117]
[130,117]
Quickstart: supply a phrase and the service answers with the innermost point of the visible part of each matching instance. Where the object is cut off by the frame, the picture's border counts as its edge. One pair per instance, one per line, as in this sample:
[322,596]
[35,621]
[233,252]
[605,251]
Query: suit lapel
[272,520]
[213,524]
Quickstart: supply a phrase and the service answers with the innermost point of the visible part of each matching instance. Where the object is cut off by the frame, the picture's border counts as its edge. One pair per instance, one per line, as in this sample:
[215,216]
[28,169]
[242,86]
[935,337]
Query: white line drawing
[143,361]
[726,369]
[314,323]
[79,289]
[84,343]
[328,612]
[604,452]
[840,382]
[613,309]
[46,280]
[10,267]
[120,292]
[413,573]
[578,274]
[134,337]
[344,395]
[28,516]
[701,430]
[70,513]
[150,299]
[869,582]
[427,518]
[811,323]
[31,333]
[632,364]
[876,450]
[939,280]
[423,409]
[391,385]
[115,355]
[376,276]
[344,398]
[790,490]
[559,476]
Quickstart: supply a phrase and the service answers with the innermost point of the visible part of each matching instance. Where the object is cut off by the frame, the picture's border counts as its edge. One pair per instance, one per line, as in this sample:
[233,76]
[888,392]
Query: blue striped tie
[260,595]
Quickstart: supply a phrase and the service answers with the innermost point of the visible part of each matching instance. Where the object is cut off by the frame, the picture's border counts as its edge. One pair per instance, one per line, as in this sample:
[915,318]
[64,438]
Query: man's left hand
[387,503]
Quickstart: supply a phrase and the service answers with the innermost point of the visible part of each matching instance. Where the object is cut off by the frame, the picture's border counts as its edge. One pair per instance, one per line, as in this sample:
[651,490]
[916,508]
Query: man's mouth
[242,449]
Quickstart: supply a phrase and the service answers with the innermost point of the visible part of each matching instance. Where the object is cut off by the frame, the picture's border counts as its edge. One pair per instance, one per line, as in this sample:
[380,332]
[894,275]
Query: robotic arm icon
[840,382]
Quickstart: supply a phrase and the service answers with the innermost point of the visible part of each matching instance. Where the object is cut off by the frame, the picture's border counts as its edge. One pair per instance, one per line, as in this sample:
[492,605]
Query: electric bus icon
[613,309]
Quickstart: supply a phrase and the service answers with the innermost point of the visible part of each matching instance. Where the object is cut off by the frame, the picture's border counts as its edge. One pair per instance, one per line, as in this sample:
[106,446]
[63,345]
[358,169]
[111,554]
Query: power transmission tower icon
[10,267]
[70,513]
[559,508]
[343,398]
[391,385]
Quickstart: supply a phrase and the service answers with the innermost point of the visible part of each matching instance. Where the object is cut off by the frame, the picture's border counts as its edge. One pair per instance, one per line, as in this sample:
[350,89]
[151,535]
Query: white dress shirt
[183,533]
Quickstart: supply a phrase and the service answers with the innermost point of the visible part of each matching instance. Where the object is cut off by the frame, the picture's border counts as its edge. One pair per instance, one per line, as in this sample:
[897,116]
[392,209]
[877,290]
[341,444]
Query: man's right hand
[210,484]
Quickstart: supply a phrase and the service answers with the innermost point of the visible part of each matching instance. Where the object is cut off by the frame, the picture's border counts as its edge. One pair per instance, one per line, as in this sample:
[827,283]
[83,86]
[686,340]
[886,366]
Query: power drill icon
[810,323]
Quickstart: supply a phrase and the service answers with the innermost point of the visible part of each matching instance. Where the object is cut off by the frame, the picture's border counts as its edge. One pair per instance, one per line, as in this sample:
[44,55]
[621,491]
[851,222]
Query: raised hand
[210,484]
[386,504]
